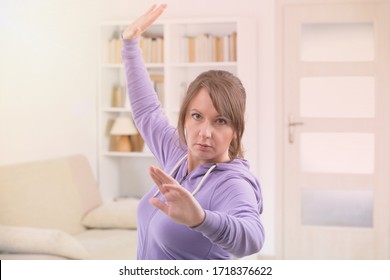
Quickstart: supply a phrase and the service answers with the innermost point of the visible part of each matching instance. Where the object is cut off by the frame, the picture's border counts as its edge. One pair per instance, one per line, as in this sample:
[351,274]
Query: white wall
[48,80]
[48,77]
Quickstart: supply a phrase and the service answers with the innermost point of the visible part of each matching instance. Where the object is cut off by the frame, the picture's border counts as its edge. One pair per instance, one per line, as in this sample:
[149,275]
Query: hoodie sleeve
[233,220]
[147,112]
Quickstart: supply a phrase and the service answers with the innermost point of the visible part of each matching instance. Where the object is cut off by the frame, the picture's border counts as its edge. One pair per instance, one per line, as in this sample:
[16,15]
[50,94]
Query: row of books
[152,49]
[201,48]
[119,97]
[210,48]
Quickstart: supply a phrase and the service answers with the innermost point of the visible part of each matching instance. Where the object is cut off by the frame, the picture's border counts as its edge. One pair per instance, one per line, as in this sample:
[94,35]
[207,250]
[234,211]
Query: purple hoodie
[230,194]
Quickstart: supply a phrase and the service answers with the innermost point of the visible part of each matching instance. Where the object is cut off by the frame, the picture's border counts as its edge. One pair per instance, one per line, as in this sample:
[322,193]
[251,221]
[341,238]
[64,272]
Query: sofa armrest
[119,214]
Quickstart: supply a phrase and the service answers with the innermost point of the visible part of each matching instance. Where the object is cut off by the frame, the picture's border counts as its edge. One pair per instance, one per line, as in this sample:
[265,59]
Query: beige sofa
[52,209]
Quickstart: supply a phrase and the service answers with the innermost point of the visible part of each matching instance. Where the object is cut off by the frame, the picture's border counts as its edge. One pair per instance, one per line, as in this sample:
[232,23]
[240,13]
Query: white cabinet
[175,52]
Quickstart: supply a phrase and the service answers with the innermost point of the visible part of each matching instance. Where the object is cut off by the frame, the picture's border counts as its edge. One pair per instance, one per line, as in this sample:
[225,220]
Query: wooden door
[336,60]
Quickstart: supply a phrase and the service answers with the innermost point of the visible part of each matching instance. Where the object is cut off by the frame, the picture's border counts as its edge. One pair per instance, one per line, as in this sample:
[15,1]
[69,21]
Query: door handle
[291,128]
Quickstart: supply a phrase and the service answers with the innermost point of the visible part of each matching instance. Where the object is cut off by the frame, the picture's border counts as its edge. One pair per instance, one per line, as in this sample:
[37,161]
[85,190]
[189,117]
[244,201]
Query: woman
[209,205]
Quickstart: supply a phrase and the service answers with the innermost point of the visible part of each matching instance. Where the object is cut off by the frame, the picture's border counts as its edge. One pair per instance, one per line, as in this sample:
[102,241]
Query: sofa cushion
[40,241]
[48,194]
[109,244]
[113,214]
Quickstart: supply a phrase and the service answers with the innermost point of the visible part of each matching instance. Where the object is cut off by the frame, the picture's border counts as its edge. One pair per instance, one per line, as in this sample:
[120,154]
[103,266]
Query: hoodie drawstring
[201,181]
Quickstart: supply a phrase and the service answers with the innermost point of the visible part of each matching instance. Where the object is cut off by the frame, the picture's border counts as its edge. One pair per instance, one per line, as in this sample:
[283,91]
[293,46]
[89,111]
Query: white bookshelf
[126,173]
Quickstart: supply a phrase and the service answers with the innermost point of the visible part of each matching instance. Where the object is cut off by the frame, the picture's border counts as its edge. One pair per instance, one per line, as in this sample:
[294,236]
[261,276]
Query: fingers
[175,194]
[179,205]
[171,194]
[157,12]
[154,176]
[136,28]
[160,177]
[175,190]
[151,8]
[152,14]
[156,202]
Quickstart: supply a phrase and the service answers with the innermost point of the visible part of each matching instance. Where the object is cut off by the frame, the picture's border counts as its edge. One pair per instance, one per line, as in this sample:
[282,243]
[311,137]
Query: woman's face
[208,134]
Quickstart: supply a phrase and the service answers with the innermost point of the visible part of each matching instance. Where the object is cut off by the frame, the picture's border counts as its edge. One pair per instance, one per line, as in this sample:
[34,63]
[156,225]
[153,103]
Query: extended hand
[142,23]
[180,205]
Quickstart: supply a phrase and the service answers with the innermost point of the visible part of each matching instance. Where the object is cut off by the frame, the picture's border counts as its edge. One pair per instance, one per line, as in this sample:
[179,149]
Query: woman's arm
[146,109]
[147,112]
[233,222]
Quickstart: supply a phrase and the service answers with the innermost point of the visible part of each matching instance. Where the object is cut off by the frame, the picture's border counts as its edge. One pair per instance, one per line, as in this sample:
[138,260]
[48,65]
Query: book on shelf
[152,47]
[209,48]
[233,47]
[118,96]
[158,84]
[114,49]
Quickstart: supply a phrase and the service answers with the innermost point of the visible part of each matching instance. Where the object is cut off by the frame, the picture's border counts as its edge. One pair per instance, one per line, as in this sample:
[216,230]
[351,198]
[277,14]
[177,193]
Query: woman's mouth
[202,146]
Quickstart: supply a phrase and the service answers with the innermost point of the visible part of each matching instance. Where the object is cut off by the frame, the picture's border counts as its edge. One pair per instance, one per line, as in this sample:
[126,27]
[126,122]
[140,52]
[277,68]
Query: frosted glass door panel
[337,97]
[337,153]
[337,208]
[337,42]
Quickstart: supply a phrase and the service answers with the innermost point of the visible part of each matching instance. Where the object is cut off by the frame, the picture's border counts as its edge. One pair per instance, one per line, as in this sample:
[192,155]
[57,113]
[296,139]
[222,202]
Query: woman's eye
[221,121]
[195,116]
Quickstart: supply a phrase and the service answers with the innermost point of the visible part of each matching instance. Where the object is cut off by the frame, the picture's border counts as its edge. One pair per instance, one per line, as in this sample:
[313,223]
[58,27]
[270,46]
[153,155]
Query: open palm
[180,204]
[141,24]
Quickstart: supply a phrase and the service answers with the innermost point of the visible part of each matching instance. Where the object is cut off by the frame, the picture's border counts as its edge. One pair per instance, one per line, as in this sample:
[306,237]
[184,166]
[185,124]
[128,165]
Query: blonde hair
[228,96]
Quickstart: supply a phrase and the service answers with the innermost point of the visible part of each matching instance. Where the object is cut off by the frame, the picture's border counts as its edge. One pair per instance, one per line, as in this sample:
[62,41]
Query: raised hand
[180,204]
[141,24]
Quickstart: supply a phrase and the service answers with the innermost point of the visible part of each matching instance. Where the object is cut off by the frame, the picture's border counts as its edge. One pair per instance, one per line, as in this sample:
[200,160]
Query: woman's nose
[205,130]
